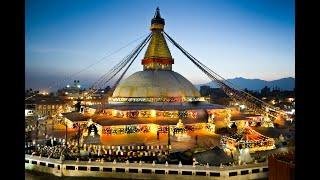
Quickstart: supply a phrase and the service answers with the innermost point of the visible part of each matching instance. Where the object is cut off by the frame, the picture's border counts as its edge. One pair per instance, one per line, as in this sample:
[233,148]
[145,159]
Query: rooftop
[75,116]
[112,121]
[45,100]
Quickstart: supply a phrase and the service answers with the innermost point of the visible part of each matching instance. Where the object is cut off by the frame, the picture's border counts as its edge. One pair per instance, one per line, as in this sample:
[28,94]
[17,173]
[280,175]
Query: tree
[78,106]
[233,128]
[265,91]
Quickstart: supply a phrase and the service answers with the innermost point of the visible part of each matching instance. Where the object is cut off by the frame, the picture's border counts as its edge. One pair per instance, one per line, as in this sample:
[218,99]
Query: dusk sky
[235,38]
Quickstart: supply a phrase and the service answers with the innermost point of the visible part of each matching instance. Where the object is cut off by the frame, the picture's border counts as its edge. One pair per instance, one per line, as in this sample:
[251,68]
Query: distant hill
[257,84]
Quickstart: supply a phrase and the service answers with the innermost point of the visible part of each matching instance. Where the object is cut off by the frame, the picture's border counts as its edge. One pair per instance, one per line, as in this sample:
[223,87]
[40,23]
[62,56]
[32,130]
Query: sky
[83,39]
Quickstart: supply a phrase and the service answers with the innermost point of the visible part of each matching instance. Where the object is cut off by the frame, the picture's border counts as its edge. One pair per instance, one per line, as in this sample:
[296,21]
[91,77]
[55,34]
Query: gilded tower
[157,56]
[157,82]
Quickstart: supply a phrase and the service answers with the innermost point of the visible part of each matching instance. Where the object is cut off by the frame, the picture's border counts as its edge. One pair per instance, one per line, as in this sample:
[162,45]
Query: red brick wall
[280,170]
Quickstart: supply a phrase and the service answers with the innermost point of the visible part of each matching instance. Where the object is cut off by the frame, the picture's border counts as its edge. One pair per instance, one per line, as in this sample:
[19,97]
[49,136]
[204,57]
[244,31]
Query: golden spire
[157,56]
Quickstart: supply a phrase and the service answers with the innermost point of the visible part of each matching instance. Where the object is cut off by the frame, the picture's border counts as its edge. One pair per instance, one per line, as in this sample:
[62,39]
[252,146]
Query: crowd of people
[97,152]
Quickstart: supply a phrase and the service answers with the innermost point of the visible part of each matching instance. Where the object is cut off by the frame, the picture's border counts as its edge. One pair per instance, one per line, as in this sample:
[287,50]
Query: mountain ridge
[287,83]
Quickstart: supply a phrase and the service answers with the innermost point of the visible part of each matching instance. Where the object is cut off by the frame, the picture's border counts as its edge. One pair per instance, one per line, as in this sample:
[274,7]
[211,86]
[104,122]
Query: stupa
[155,98]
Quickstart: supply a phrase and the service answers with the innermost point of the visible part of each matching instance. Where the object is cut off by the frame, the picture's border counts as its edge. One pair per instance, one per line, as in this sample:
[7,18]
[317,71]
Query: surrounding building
[47,106]
[72,92]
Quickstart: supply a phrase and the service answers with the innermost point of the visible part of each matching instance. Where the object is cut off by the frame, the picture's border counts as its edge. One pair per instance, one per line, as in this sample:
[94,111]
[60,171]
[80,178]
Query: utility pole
[52,127]
[66,133]
[169,142]
[37,128]
[45,130]
[79,139]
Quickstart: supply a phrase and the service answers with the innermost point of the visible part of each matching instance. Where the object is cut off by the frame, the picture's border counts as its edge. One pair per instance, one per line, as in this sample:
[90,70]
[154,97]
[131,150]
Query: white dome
[155,84]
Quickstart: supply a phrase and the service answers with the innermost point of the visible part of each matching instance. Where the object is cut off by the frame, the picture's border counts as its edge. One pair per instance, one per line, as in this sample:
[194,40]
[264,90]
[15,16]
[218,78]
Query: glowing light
[68,86]
[78,86]
[153,113]
[153,128]
[242,106]
[114,112]
[66,93]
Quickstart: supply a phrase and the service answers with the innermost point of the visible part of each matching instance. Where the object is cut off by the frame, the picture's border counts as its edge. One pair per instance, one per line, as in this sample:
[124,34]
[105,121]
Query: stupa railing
[142,170]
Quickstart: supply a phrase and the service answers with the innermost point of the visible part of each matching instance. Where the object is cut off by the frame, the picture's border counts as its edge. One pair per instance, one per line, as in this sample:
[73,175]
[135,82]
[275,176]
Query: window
[42,164]
[58,167]
[94,169]
[173,172]
[120,170]
[82,168]
[200,173]
[244,172]
[255,170]
[265,169]
[33,162]
[233,173]
[159,171]
[51,165]
[107,169]
[133,170]
[26,161]
[146,170]
[186,173]
[215,174]
[70,168]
